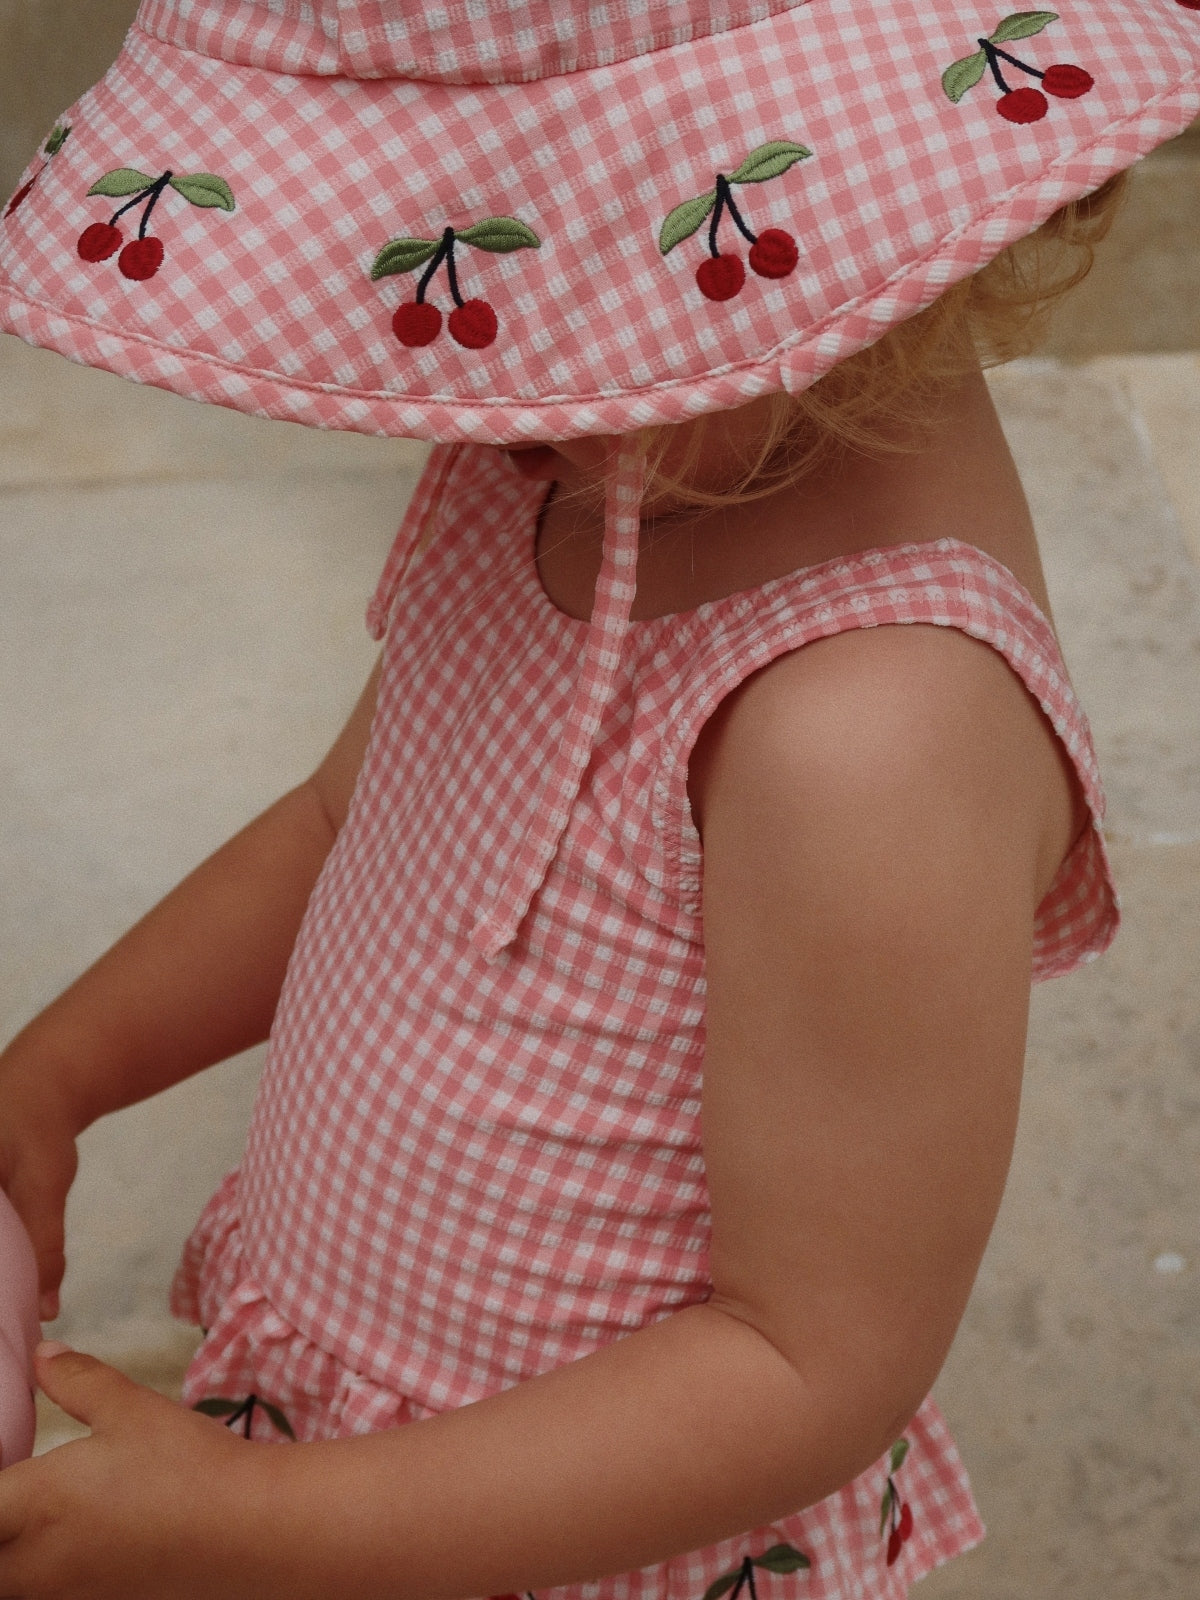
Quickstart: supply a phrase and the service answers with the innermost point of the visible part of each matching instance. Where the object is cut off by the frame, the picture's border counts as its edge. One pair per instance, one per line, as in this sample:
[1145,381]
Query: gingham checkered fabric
[464,41]
[462,1173]
[271,308]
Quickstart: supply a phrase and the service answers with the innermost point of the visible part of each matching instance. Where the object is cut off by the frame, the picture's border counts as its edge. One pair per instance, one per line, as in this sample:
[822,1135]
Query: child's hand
[155,1505]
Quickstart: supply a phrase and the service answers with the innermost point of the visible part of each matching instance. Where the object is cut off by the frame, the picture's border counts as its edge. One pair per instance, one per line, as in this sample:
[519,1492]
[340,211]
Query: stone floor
[180,633]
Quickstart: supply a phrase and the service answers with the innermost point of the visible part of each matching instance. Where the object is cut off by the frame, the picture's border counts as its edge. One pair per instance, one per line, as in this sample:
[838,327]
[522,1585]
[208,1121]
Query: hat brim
[271,307]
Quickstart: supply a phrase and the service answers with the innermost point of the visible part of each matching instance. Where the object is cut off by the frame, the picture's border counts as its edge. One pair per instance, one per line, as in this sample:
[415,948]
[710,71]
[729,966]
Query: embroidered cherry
[1068,81]
[21,196]
[50,149]
[896,1518]
[142,257]
[1022,105]
[416,322]
[782,1559]
[720,277]
[773,252]
[99,240]
[473,324]
[1027,104]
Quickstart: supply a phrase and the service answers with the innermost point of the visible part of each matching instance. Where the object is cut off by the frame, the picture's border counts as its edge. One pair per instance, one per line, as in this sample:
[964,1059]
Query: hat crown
[448,41]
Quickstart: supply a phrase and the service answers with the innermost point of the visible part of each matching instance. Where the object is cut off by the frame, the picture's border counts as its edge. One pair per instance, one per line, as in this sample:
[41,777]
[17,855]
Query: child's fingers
[83,1387]
[38,1192]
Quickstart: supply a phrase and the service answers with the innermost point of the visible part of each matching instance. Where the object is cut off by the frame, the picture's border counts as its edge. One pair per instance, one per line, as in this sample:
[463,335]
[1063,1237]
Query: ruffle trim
[249,1349]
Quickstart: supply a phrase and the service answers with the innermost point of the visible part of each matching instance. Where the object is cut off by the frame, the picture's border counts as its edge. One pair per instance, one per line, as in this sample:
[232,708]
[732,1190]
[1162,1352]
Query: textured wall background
[50,52]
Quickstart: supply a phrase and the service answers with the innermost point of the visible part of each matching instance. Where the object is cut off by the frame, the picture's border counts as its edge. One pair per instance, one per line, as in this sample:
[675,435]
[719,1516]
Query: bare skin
[881,813]
[963,485]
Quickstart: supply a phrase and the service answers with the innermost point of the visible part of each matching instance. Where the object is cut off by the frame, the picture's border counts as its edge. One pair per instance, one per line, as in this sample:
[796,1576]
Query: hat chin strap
[609,623]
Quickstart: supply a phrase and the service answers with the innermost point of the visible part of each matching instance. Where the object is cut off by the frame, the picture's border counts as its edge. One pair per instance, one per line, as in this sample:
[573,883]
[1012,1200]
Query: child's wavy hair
[881,400]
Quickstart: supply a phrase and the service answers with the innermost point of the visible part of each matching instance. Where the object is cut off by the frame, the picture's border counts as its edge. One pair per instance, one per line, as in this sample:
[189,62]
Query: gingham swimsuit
[462,1171]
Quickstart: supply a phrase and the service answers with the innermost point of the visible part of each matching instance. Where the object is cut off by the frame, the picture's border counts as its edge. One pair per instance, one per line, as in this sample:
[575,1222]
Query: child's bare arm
[195,981]
[876,837]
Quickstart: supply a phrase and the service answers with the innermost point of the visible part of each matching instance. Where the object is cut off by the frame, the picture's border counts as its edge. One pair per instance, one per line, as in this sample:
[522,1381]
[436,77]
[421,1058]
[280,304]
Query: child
[646,966]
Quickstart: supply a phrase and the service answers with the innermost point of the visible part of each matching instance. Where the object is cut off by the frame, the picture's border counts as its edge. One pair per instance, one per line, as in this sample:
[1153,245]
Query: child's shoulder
[883,722]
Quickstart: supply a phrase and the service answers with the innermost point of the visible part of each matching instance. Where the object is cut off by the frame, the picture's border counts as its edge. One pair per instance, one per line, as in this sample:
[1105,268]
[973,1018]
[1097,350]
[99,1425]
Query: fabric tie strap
[615,589]
[415,531]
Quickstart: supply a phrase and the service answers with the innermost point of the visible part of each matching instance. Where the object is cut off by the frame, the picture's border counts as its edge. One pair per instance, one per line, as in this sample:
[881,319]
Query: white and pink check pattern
[458,41]
[271,309]
[464,1172]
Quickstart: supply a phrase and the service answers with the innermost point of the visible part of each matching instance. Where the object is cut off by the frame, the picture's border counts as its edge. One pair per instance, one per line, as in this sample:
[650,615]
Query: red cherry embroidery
[141,258]
[1068,82]
[1189,5]
[774,255]
[720,277]
[473,324]
[416,322]
[50,149]
[773,252]
[1064,80]
[19,197]
[780,1559]
[99,241]
[896,1518]
[1023,105]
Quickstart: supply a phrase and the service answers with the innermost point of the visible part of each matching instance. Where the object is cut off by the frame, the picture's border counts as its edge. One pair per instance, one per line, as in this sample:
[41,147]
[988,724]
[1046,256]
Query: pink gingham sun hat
[530,219]
[498,221]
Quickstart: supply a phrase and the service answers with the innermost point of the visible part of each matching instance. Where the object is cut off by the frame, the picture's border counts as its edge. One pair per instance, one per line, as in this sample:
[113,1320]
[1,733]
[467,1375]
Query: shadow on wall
[1144,295]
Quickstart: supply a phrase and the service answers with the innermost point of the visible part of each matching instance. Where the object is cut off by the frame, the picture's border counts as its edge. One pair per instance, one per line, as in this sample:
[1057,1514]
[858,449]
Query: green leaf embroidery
[402,255]
[684,220]
[499,234]
[964,75]
[899,1451]
[722,1585]
[278,1418]
[1022,25]
[783,1558]
[122,181]
[885,1510]
[769,161]
[58,138]
[218,1407]
[205,189]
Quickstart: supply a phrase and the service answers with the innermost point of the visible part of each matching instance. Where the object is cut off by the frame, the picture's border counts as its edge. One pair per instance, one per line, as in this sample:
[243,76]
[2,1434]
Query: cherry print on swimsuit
[235,1411]
[895,1513]
[472,323]
[1065,80]
[50,149]
[142,257]
[773,252]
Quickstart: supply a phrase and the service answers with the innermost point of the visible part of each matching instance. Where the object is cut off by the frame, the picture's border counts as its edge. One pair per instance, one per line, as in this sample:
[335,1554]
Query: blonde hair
[882,399]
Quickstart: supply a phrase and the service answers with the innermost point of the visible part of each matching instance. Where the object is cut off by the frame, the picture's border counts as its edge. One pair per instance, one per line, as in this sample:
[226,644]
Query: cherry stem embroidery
[995,56]
[153,193]
[745,1576]
[725,201]
[244,1414]
[445,252]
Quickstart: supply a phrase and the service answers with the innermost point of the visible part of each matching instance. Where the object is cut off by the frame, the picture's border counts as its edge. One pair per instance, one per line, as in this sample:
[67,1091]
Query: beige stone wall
[50,51]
